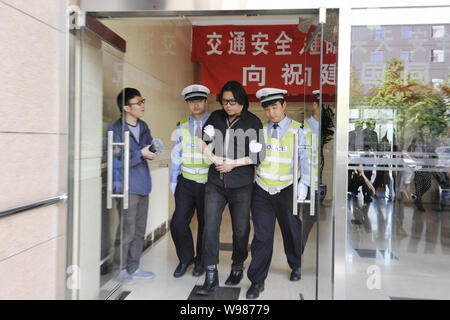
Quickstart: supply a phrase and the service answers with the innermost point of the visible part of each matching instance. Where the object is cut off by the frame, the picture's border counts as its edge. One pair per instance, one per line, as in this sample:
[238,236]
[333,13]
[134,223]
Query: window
[437,55]
[406,32]
[354,113]
[378,33]
[377,56]
[406,56]
[437,32]
[437,83]
[358,34]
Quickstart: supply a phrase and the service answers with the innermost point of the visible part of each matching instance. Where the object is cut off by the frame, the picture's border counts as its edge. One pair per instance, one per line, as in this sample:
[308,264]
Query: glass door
[97,248]
[319,96]
[300,70]
[397,220]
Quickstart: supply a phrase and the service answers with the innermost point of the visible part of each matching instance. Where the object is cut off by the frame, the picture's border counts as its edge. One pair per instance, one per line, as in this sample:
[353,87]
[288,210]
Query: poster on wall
[263,56]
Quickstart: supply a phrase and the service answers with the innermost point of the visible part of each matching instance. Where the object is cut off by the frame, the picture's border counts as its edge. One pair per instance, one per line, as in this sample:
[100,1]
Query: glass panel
[160,62]
[158,49]
[310,116]
[111,235]
[399,168]
[101,81]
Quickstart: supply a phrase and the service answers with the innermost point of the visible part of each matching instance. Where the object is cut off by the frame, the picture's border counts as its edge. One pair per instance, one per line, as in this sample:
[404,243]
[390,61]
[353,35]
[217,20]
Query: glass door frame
[404,13]
[263,11]
[78,23]
[348,12]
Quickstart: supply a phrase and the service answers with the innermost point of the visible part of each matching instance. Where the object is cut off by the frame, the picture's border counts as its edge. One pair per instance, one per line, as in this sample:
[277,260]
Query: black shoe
[235,277]
[181,269]
[211,282]
[419,205]
[254,290]
[296,274]
[198,270]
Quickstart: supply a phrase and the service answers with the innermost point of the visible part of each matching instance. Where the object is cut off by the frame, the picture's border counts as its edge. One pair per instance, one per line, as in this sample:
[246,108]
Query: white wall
[33,140]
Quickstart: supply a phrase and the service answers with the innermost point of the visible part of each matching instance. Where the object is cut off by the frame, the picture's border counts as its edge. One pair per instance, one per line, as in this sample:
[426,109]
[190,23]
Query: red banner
[261,56]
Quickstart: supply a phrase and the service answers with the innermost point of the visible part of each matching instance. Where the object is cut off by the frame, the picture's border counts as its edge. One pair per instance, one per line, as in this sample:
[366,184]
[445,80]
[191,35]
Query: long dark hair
[238,92]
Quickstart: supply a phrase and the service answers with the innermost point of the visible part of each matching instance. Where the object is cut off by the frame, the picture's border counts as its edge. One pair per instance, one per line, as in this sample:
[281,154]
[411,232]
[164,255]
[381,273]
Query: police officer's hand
[217,160]
[302,191]
[226,166]
[148,154]
[173,186]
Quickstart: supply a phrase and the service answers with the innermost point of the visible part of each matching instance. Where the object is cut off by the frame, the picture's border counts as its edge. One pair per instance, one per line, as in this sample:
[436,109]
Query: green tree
[416,104]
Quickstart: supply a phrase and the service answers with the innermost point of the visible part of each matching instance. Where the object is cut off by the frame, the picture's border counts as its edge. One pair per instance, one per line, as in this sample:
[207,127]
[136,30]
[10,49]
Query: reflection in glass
[398,141]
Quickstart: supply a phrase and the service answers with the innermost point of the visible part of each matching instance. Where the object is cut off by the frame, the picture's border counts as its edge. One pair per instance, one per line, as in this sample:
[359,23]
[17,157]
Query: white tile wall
[32,141]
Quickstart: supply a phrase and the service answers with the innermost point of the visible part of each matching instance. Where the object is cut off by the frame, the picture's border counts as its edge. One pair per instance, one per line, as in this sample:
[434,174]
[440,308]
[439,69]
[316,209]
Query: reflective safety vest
[275,172]
[195,165]
[309,136]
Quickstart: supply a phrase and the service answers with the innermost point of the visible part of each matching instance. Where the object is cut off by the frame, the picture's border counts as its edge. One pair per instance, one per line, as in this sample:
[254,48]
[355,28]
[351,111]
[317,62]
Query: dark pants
[422,182]
[239,200]
[265,209]
[189,196]
[366,189]
[131,231]
[355,181]
[308,219]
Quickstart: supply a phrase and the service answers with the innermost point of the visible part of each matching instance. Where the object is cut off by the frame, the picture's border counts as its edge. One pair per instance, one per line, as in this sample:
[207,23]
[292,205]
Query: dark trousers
[355,181]
[239,200]
[131,232]
[189,196]
[422,182]
[265,209]
[308,219]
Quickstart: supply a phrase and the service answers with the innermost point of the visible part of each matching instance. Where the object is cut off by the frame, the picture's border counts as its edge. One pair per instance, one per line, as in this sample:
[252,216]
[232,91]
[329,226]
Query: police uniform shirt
[314,125]
[176,161]
[302,153]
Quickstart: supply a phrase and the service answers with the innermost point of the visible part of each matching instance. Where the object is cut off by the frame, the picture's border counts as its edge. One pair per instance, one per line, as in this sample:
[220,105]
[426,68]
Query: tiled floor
[393,252]
[407,249]
[162,260]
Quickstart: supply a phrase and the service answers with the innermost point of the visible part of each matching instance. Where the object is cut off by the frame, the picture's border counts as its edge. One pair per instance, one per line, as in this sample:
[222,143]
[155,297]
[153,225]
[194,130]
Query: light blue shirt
[302,153]
[175,166]
[135,130]
[314,125]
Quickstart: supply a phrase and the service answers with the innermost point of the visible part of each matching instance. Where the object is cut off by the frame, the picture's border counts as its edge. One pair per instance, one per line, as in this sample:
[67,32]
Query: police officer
[189,173]
[273,192]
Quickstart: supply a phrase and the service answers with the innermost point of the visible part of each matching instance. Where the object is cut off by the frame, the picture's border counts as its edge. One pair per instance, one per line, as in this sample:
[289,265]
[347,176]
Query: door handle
[312,183]
[295,175]
[312,176]
[126,170]
[109,163]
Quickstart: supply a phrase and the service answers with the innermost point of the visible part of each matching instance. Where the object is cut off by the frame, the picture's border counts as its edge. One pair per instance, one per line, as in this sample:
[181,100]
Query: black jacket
[245,128]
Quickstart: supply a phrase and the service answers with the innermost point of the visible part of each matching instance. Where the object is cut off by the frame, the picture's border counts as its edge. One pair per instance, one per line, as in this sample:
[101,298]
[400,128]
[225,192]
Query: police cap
[269,95]
[195,91]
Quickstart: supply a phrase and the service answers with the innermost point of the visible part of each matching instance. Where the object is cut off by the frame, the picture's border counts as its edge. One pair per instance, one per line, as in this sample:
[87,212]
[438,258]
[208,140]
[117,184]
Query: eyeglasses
[224,102]
[140,103]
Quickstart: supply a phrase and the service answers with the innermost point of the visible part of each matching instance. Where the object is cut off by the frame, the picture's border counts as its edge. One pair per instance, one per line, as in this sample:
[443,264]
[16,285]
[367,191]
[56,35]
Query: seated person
[356,179]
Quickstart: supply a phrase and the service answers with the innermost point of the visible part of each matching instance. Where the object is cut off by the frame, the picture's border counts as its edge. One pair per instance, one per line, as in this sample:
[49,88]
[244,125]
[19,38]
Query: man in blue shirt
[132,106]
[189,173]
